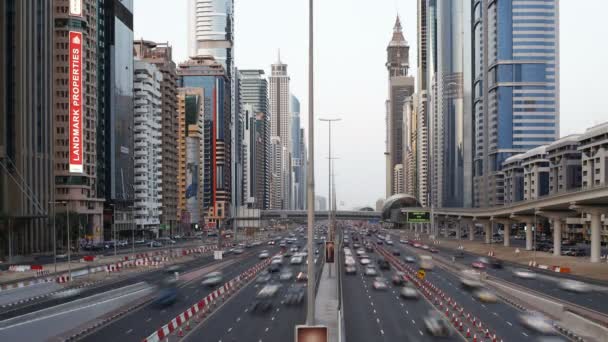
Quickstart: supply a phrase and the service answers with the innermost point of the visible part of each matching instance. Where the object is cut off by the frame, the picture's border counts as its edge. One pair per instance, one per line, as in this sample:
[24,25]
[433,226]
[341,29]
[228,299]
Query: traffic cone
[468,332]
[188,326]
[487,333]
[460,327]
[475,338]
[180,333]
[494,338]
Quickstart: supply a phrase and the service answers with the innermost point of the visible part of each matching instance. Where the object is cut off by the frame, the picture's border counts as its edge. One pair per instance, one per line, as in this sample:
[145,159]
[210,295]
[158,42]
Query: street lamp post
[310,298]
[330,227]
[54,235]
[67,214]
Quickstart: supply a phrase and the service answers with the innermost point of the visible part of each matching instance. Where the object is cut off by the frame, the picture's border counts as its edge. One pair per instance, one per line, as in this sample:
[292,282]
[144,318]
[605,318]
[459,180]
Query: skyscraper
[516,72]
[280,132]
[79,118]
[297,159]
[115,114]
[207,74]
[253,90]
[401,88]
[26,125]
[451,122]
[148,151]
[190,147]
[422,107]
[160,54]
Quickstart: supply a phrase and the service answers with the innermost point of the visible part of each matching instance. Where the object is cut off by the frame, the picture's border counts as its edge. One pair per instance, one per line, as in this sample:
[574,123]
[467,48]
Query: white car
[296,260]
[524,274]
[380,283]
[371,271]
[389,242]
[264,255]
[277,260]
[409,292]
[574,286]
[537,322]
[365,261]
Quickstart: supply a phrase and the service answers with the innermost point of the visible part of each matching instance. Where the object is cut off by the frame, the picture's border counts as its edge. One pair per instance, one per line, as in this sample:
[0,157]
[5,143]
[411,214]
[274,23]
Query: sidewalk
[326,303]
[578,265]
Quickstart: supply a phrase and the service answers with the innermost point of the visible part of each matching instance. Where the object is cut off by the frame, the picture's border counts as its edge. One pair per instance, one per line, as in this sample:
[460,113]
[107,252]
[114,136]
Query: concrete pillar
[458,229]
[471,231]
[557,236]
[596,226]
[487,231]
[506,228]
[529,235]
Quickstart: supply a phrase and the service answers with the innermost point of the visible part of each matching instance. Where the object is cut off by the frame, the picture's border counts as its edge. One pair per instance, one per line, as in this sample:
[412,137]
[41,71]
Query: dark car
[274,268]
[264,300]
[495,263]
[384,264]
[396,252]
[398,279]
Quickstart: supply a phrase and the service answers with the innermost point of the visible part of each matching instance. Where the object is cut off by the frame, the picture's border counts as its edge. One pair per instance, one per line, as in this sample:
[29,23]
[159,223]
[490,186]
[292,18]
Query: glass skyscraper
[516,85]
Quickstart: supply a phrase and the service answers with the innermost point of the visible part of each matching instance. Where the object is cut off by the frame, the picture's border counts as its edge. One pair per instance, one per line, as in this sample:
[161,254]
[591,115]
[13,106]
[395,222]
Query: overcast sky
[351,79]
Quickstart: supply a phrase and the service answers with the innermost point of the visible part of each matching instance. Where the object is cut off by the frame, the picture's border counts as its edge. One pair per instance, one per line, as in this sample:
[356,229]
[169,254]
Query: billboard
[314,333]
[76,8]
[329,252]
[418,217]
[75,102]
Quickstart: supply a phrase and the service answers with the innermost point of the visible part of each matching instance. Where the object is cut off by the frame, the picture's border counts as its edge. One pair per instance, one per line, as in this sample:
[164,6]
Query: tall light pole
[67,214]
[54,234]
[132,229]
[330,228]
[310,172]
[114,225]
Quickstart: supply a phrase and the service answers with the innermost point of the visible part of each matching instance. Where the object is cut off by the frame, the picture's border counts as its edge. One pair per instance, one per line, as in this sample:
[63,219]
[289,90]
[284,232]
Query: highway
[235,321]
[547,284]
[141,322]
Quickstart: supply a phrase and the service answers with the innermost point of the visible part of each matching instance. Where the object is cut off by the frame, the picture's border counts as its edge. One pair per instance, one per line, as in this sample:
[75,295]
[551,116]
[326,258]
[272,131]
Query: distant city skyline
[582,103]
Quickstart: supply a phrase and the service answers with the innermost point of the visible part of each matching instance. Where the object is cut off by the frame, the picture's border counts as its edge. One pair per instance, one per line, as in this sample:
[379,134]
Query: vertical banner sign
[76,8]
[75,98]
[329,252]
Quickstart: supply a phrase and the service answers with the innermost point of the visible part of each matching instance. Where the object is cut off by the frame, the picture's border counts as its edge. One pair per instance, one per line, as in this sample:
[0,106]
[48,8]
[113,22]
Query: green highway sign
[418,217]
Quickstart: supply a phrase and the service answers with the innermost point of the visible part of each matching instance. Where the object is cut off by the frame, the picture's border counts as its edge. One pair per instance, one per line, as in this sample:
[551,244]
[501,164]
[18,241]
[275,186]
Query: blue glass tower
[516,85]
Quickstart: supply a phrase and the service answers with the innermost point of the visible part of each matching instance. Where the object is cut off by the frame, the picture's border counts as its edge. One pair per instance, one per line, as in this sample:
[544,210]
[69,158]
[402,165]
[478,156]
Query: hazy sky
[351,79]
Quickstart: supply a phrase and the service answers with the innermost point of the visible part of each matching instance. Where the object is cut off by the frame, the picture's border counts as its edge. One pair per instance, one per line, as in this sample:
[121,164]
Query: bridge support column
[471,231]
[557,236]
[529,227]
[506,228]
[458,228]
[596,226]
[487,232]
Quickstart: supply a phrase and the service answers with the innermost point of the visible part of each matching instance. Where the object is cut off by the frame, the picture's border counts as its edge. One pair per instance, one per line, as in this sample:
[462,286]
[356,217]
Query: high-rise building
[298,163]
[320,203]
[516,82]
[78,77]
[451,131]
[253,90]
[400,89]
[422,108]
[280,132]
[148,151]
[304,179]
[115,115]
[27,88]
[190,150]
[160,54]
[207,74]
[410,146]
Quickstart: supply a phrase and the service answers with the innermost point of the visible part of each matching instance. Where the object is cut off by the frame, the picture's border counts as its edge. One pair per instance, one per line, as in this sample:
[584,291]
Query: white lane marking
[414,322]
[149,319]
[163,311]
[230,329]
[374,311]
[372,303]
[495,314]
[377,320]
[525,334]
[483,306]
[247,309]
[420,332]
[238,319]
[382,331]
[129,331]
[407,312]
[272,319]
[509,323]
[277,309]
[266,329]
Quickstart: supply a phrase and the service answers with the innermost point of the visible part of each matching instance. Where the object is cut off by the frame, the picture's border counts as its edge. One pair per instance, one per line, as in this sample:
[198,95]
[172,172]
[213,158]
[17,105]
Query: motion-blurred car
[396,252]
[436,325]
[296,260]
[212,279]
[263,278]
[479,265]
[433,250]
[360,252]
[398,279]
[273,268]
[294,295]
[285,275]
[409,292]
[365,261]
[485,296]
[264,254]
[524,274]
[410,259]
[277,260]
[301,277]
[370,271]
[380,283]
[384,264]
[350,269]
[574,286]
[537,322]
[389,242]
[402,241]
[425,247]
[238,251]
[264,299]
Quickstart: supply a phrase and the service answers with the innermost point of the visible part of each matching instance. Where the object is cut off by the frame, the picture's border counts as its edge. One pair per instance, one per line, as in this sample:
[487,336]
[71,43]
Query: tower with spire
[400,92]
[398,52]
